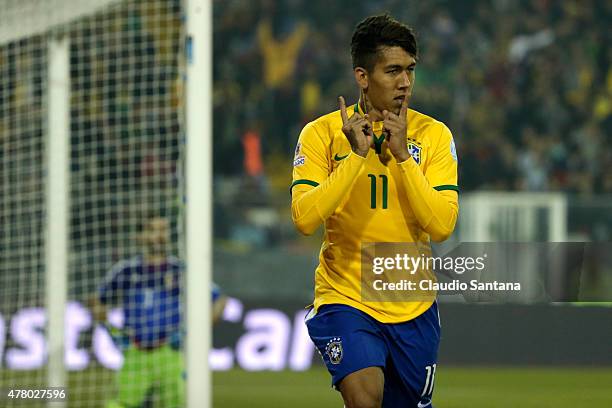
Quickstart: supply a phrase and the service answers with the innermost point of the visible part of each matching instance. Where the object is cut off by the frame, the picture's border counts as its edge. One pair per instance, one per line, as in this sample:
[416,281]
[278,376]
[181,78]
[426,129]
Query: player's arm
[312,204]
[217,308]
[98,309]
[108,293]
[433,196]
[315,194]
[218,303]
[435,210]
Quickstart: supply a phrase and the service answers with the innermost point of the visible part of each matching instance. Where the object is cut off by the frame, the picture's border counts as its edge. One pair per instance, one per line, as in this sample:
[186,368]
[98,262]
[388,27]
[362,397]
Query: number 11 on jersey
[385,190]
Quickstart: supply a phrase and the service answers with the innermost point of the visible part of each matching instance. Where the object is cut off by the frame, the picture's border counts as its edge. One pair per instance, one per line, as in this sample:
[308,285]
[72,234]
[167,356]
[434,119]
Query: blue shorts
[350,340]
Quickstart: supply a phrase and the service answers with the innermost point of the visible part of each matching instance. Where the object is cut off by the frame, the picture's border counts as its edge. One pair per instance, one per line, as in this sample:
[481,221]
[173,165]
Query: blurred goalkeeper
[148,289]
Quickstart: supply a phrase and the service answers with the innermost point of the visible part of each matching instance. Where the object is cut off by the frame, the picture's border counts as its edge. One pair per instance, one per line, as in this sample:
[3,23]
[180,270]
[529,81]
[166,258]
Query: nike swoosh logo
[421,405]
[338,158]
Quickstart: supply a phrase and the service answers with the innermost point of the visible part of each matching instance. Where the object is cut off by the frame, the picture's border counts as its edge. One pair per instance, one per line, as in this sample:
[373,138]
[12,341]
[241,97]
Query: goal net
[125,136]
[520,227]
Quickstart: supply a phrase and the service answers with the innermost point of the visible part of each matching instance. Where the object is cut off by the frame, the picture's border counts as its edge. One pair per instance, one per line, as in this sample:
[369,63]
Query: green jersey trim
[303,181]
[447,187]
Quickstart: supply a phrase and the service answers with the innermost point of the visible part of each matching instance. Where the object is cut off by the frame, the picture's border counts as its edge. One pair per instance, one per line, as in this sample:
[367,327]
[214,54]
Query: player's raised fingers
[404,108]
[390,117]
[343,110]
[366,127]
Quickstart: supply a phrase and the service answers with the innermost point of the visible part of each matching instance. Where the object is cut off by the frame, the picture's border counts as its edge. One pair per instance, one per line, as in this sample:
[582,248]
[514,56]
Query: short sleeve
[216,292]
[114,284]
[311,160]
[442,170]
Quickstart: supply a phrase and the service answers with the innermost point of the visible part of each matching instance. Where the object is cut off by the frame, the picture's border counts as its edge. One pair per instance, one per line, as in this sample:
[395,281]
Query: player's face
[156,234]
[391,80]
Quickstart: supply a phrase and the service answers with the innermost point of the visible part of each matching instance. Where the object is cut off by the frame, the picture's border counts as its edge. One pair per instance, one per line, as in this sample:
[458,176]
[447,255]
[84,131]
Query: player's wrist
[361,151]
[401,156]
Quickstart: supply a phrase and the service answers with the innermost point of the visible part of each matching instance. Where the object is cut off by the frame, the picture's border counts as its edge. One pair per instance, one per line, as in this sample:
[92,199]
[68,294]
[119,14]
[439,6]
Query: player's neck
[366,107]
[154,259]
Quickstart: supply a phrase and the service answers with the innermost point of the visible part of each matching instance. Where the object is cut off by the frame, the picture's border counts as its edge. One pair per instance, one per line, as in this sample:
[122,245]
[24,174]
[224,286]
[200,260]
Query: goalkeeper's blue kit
[149,296]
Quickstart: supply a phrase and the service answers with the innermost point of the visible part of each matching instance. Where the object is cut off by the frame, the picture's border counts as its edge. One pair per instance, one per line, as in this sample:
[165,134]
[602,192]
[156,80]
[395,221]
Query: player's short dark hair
[149,215]
[380,31]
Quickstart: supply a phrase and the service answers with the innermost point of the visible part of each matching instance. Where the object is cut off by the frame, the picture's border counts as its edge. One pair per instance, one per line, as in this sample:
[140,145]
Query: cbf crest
[333,349]
[415,152]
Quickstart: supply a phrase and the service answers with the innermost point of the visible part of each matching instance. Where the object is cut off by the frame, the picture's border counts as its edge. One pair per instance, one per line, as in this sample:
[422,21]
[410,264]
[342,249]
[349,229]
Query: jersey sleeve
[111,289]
[317,191]
[311,161]
[442,171]
[433,194]
[216,292]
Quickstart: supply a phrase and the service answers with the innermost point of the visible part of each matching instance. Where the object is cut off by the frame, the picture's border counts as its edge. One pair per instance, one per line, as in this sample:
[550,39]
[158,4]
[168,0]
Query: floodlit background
[525,87]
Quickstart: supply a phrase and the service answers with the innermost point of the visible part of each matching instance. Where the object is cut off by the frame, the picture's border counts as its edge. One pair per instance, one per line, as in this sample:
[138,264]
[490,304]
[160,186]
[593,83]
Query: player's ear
[361,76]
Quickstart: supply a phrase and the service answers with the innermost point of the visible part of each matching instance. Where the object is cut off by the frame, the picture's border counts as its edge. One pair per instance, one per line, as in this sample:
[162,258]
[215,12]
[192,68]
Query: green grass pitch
[456,387]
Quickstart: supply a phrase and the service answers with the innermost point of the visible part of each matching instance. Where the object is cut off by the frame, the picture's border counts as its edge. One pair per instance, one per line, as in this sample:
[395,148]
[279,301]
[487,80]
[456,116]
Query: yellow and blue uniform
[368,200]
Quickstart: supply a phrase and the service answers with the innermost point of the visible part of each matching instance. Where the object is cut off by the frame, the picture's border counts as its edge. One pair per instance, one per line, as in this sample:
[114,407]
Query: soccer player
[148,289]
[375,172]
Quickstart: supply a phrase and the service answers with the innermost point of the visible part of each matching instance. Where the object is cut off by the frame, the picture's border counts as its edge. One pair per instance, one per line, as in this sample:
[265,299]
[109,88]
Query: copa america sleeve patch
[299,161]
[298,149]
[453,150]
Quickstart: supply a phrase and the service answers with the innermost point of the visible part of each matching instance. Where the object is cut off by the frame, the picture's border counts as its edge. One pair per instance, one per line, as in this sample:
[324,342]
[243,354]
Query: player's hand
[176,340]
[357,129]
[118,336]
[394,128]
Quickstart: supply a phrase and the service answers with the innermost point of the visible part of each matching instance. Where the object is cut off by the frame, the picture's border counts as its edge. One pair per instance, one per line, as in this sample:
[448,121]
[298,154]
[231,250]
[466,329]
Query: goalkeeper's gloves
[119,336]
[176,340]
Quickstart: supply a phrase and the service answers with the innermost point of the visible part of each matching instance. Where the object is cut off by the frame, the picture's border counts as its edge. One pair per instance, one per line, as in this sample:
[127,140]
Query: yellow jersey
[371,200]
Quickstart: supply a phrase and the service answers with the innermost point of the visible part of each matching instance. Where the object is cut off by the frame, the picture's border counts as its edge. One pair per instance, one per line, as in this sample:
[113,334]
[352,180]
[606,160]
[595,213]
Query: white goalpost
[516,218]
[513,216]
[105,108]
[56,239]
[199,201]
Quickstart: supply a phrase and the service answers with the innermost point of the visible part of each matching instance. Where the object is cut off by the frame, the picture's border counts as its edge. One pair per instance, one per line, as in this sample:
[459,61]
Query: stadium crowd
[525,86]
